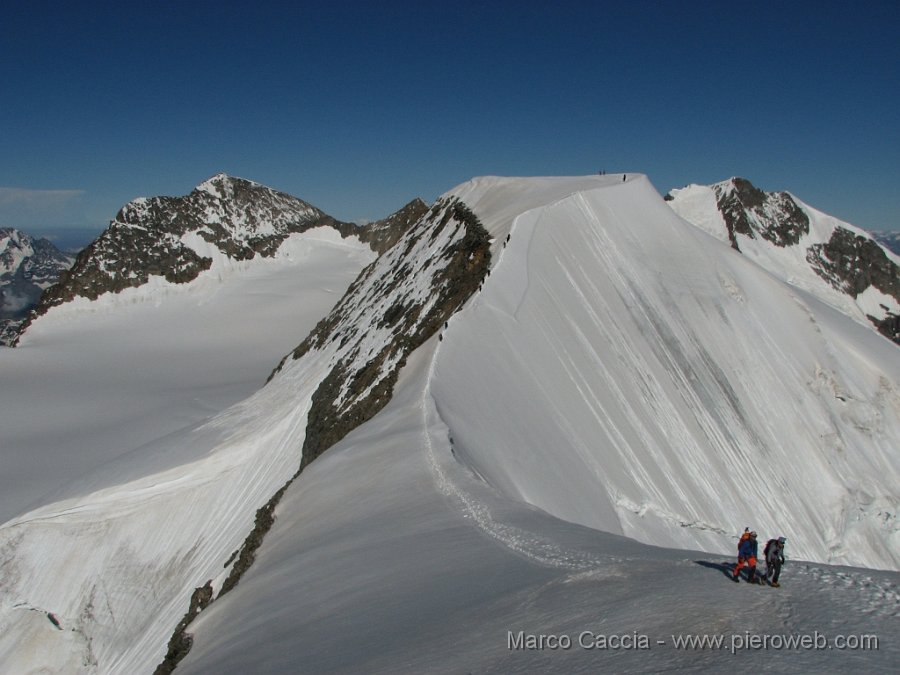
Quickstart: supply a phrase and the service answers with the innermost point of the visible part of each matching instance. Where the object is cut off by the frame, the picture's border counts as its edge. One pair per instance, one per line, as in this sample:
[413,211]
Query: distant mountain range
[889,239]
[28,265]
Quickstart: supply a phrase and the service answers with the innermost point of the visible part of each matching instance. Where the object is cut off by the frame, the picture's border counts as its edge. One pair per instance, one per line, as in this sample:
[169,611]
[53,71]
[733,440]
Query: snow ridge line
[527,544]
[536,548]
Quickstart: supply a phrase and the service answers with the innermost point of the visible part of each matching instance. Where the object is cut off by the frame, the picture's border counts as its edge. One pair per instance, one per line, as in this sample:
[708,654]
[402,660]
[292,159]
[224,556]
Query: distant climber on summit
[774,554]
[747,552]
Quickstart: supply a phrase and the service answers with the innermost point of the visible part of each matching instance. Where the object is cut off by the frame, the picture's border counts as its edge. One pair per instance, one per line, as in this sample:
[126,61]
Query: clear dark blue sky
[358,107]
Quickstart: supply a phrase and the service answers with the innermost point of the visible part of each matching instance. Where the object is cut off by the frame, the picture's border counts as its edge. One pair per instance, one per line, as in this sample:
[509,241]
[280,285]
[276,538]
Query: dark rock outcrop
[383,234]
[852,263]
[173,237]
[747,210]
[181,642]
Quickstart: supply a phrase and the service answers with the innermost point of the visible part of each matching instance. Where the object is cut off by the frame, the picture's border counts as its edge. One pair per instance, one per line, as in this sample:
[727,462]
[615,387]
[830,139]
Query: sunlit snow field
[92,381]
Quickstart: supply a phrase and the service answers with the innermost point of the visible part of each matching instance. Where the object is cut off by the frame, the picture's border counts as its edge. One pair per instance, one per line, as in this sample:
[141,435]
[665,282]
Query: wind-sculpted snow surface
[390,555]
[643,379]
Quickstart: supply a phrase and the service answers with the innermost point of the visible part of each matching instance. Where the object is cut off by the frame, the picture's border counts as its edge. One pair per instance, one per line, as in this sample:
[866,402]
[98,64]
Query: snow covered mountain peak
[41,259]
[223,221]
[222,185]
[839,263]
[27,267]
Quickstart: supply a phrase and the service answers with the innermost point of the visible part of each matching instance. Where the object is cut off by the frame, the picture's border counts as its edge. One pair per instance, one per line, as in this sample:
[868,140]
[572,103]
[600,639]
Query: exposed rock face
[852,263]
[747,210]
[27,267]
[181,642]
[382,234]
[396,304]
[849,260]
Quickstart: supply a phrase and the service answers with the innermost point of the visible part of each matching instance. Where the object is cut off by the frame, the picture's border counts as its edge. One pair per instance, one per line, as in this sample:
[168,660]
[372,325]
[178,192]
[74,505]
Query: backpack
[769,545]
[744,537]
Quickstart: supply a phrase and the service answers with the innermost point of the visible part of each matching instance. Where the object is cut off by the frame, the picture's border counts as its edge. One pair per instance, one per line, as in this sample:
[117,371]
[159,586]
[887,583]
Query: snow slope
[389,555]
[414,545]
[698,205]
[643,379]
[92,381]
[620,373]
[146,528]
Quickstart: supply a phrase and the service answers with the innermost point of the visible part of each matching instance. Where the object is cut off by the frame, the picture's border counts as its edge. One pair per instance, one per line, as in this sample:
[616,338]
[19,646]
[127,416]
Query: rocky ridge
[848,259]
[397,303]
[176,237]
[747,210]
[852,263]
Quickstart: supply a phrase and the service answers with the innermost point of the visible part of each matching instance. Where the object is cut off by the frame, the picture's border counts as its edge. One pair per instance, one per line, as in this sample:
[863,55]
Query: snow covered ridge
[353,357]
[137,571]
[624,371]
[841,264]
[397,303]
[177,238]
[27,267]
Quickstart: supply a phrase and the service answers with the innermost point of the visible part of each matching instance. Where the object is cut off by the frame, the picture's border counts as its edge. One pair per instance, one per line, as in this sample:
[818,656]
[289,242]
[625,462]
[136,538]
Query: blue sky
[357,107]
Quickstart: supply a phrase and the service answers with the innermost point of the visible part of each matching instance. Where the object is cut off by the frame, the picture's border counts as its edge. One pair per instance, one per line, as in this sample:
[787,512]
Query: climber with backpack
[747,552]
[774,554]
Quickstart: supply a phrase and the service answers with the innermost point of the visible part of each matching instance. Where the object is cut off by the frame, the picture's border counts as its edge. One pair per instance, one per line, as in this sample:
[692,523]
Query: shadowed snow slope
[93,380]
